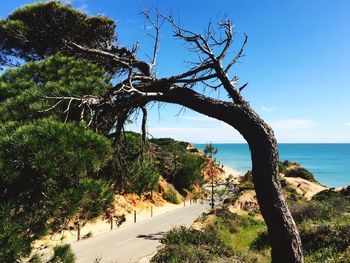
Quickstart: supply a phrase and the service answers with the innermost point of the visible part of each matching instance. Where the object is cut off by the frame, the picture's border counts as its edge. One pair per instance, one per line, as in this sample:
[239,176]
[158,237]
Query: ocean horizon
[329,162]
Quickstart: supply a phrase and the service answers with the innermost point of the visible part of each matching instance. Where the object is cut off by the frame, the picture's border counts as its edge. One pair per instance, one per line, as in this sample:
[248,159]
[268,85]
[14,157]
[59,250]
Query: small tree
[210,151]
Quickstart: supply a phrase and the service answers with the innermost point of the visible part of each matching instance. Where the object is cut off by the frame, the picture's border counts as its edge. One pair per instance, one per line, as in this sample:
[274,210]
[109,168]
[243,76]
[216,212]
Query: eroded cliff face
[213,170]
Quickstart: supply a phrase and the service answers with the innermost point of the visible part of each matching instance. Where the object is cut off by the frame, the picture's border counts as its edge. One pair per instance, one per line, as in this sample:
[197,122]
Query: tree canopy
[41,29]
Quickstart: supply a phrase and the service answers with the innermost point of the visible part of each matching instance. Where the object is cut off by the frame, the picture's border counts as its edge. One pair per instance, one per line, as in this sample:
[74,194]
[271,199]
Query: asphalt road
[132,242]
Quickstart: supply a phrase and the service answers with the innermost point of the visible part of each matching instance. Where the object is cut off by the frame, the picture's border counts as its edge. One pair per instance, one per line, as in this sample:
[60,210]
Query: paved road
[132,242]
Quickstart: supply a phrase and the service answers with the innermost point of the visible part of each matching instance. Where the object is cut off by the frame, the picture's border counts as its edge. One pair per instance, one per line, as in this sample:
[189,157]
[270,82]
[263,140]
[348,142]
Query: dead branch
[238,56]
[156,26]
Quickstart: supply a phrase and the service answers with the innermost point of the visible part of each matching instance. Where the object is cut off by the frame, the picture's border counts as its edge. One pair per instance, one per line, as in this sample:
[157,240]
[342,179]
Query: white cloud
[347,124]
[267,109]
[219,133]
[291,124]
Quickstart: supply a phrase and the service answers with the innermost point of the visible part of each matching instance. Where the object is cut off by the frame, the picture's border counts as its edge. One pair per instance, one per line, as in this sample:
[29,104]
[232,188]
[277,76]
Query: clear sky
[297,63]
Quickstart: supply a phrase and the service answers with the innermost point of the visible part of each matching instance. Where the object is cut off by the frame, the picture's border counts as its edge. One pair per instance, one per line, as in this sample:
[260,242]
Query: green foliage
[184,254]
[210,150]
[143,176]
[332,236]
[128,172]
[190,245]
[232,221]
[165,156]
[178,166]
[171,195]
[304,210]
[22,89]
[44,169]
[62,254]
[51,148]
[43,28]
[96,198]
[189,172]
[333,204]
[324,226]
[125,158]
[219,241]
[290,169]
[169,144]
[13,244]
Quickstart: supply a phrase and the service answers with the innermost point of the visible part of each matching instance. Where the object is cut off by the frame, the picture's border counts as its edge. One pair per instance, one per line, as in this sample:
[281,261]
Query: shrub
[184,254]
[190,245]
[300,172]
[290,169]
[171,195]
[336,237]
[233,221]
[332,204]
[305,210]
[261,242]
[62,254]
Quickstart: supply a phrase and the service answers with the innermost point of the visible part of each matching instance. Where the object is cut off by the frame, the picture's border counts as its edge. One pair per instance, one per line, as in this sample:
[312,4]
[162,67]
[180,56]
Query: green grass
[243,239]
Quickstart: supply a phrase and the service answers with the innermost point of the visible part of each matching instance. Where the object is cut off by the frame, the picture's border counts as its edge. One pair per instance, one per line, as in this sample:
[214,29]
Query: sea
[329,163]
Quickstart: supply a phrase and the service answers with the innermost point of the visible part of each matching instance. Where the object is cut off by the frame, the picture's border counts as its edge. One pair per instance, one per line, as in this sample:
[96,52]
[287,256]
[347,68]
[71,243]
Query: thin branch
[239,54]
[120,61]
[241,88]
[227,24]
[52,107]
[156,25]
[67,110]
[189,36]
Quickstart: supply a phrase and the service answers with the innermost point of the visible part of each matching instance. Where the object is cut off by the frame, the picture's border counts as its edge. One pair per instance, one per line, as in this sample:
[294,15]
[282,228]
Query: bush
[63,254]
[171,195]
[305,210]
[261,242]
[336,237]
[332,204]
[300,172]
[233,221]
[290,169]
[190,245]
[183,254]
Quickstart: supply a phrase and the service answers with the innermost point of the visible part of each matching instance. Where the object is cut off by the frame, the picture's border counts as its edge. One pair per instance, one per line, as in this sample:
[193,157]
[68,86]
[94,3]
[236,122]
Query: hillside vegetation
[238,229]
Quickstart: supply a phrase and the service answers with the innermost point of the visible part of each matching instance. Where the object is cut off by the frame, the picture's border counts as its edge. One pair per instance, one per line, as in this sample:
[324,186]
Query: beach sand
[229,171]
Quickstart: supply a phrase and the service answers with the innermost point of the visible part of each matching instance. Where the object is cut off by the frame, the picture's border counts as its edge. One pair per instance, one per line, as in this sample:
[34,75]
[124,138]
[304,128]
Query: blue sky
[297,63]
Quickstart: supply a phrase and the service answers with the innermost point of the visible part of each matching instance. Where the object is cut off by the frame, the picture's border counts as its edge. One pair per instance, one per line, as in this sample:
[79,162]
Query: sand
[303,187]
[98,226]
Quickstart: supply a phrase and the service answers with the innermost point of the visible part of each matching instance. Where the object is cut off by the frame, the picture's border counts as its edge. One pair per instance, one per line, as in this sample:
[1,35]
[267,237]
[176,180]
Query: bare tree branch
[238,56]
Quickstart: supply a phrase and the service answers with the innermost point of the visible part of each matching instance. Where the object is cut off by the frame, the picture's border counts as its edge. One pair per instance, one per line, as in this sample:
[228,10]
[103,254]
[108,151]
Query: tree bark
[284,236]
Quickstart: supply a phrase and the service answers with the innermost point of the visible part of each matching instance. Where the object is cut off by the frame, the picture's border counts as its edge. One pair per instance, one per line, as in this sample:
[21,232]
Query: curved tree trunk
[284,236]
[285,240]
